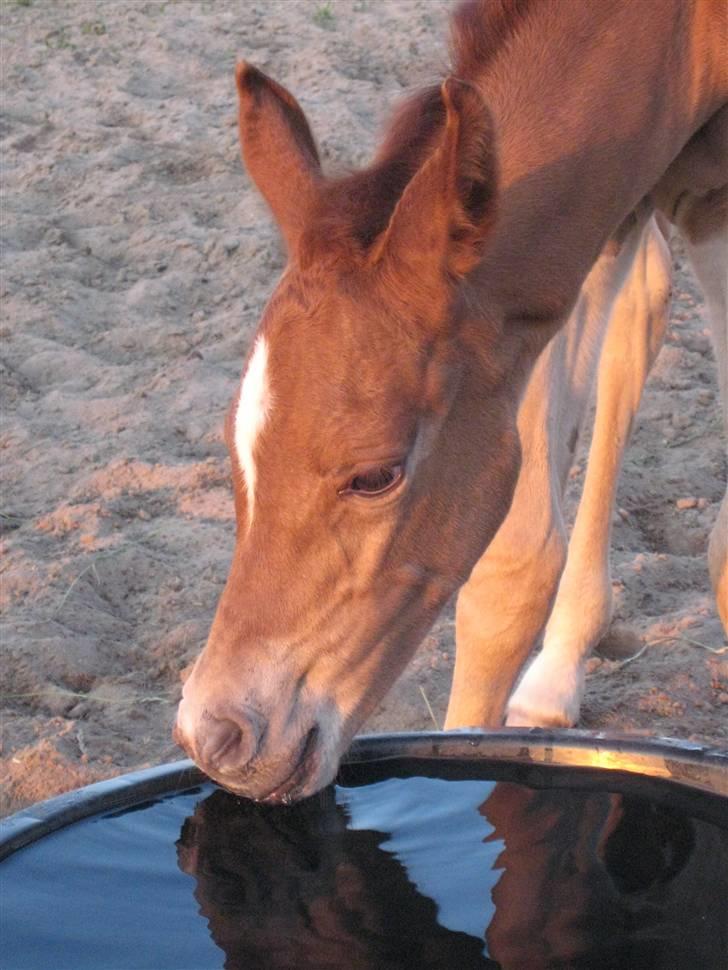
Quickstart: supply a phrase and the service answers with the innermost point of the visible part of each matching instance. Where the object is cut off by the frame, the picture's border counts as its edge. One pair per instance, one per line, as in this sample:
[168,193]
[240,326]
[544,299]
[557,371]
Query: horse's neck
[592,102]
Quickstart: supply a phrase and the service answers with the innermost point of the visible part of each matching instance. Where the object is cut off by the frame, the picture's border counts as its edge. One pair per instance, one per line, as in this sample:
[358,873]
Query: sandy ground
[136,261]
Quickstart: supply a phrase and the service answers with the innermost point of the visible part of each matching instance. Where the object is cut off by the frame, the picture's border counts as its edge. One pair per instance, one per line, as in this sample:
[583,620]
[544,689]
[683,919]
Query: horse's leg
[503,607]
[704,226]
[551,690]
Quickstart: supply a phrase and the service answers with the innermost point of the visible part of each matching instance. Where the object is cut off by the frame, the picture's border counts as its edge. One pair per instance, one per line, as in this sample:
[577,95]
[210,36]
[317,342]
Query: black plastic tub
[513,848]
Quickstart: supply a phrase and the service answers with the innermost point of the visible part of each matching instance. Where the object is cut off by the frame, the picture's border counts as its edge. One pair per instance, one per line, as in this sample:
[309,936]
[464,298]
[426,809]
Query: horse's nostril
[221,743]
[224,744]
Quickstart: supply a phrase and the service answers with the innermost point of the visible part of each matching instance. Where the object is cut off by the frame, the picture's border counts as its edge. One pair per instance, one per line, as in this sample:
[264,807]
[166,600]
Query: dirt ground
[136,261]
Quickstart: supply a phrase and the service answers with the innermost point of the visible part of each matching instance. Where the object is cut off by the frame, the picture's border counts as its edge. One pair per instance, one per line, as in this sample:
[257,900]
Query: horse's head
[372,439]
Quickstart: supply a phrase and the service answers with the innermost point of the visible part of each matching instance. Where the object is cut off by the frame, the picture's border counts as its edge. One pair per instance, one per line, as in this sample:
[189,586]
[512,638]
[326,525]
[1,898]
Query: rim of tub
[691,773]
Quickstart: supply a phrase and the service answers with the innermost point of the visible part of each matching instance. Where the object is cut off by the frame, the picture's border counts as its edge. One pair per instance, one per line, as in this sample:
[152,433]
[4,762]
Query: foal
[386,424]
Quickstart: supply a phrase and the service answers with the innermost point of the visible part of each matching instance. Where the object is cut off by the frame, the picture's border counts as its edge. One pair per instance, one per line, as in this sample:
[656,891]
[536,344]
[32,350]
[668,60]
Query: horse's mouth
[298,784]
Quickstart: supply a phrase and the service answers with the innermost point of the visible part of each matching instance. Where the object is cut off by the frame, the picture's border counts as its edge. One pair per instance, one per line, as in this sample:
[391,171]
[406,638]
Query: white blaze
[253,408]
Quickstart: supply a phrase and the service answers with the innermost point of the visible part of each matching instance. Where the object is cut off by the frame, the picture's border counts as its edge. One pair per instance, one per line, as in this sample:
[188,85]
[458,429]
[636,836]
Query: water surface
[407,871]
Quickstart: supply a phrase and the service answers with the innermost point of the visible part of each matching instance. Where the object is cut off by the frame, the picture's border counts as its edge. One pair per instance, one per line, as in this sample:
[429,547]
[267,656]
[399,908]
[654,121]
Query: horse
[410,403]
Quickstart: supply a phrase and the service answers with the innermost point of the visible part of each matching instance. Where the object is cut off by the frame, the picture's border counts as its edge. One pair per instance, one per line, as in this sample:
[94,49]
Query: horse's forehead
[290,370]
[319,339]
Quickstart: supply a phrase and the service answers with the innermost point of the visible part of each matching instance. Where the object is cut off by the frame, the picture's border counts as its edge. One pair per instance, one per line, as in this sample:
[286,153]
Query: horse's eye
[374,481]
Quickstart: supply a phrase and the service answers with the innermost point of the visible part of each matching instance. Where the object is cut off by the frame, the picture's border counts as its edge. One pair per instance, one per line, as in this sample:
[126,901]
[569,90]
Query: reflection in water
[538,879]
[294,888]
[605,881]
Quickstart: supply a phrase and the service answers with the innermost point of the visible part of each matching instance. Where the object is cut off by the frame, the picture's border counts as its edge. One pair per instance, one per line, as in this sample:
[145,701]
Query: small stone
[705,397]
[703,503]
[723,697]
[620,643]
[689,502]
[57,700]
[698,343]
[54,236]
[623,514]
[681,421]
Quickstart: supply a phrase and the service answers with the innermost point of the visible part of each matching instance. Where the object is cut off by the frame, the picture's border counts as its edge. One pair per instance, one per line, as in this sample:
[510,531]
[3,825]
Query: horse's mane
[359,205]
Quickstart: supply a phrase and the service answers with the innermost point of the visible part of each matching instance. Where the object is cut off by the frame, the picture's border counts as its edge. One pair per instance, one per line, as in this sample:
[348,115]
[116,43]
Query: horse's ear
[278,149]
[445,213]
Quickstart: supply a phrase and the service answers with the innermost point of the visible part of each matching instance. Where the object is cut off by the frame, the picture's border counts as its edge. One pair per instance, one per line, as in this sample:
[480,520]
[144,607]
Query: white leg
[502,609]
[551,690]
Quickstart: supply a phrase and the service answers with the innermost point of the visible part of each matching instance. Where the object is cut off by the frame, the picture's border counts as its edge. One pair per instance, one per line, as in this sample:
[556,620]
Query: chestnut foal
[414,376]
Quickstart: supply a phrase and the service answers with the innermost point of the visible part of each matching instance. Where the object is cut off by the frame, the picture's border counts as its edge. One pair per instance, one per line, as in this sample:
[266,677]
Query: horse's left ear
[445,214]
[278,149]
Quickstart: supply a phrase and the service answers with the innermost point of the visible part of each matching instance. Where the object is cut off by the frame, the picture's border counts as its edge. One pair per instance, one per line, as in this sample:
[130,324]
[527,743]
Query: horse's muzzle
[230,750]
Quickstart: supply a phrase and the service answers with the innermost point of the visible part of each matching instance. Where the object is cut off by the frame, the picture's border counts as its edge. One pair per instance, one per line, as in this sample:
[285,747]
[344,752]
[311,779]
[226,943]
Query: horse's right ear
[278,149]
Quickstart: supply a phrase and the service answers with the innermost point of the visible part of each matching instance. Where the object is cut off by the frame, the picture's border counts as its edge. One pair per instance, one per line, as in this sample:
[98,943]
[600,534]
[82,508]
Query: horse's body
[401,430]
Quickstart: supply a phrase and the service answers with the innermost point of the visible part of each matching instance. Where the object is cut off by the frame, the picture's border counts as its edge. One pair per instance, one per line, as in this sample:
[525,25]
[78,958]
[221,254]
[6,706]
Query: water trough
[507,849]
